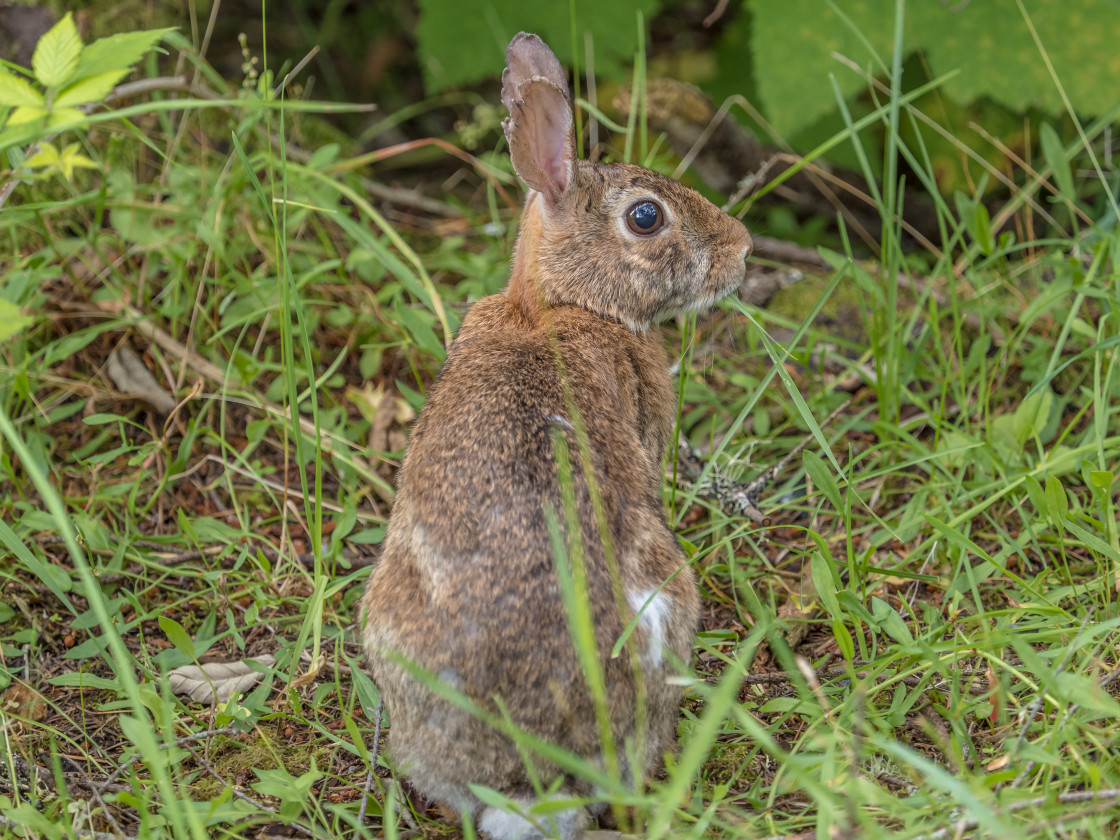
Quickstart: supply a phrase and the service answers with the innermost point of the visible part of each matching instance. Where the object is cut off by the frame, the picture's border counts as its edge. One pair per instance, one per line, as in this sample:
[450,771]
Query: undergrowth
[913,631]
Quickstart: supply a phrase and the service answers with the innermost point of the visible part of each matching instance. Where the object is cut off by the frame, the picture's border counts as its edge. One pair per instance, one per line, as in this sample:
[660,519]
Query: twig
[834,671]
[372,763]
[737,497]
[180,742]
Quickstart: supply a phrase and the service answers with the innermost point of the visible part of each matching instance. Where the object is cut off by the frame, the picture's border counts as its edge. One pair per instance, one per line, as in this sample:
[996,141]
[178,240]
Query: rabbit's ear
[539,129]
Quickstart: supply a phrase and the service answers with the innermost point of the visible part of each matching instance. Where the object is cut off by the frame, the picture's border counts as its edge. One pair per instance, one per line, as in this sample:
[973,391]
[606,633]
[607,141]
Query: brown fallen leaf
[215,682]
[131,377]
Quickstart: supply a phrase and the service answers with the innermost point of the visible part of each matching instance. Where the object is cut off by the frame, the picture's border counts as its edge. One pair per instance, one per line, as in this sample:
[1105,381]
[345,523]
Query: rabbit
[466,589]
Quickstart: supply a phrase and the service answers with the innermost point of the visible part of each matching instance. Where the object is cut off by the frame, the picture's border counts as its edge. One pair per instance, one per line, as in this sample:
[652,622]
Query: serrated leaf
[15,91]
[70,159]
[12,320]
[91,89]
[216,682]
[26,114]
[116,52]
[462,41]
[56,54]
[1054,154]
[46,156]
[61,116]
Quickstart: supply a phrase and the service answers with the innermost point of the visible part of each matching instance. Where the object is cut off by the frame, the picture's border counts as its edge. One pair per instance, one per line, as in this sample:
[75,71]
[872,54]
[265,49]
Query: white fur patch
[503,825]
[559,420]
[654,621]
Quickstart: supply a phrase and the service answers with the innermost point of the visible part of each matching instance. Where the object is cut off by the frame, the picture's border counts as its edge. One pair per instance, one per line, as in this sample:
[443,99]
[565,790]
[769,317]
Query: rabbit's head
[615,239]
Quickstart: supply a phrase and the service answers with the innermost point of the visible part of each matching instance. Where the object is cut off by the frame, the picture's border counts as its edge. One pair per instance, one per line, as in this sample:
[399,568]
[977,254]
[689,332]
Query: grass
[919,641]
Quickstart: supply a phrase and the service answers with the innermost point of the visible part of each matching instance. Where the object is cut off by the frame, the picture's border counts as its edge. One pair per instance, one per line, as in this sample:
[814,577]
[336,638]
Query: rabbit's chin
[702,305]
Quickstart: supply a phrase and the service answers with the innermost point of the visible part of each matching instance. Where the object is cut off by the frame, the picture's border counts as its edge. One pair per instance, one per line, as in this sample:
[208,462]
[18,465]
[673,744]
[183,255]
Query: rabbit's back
[467,585]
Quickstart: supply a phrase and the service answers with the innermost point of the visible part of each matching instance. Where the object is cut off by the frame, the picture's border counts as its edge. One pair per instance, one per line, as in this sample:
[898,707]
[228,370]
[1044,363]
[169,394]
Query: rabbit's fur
[466,588]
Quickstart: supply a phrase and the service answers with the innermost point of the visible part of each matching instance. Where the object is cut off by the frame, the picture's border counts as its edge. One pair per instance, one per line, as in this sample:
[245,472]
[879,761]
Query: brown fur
[466,587]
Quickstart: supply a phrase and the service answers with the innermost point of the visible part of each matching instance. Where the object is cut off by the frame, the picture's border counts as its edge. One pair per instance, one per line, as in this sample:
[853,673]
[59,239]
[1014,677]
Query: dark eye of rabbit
[644,218]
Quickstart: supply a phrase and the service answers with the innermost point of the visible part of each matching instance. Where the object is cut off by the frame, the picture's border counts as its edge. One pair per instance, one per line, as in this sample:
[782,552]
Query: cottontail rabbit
[467,586]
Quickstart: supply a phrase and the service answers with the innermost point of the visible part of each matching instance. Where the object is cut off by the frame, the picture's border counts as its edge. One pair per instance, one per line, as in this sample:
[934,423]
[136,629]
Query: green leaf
[61,116]
[25,114]
[1055,155]
[824,577]
[15,91]
[1101,479]
[792,46]
[177,636]
[57,581]
[419,330]
[822,477]
[983,229]
[77,679]
[890,622]
[12,320]
[57,53]
[1033,414]
[463,41]
[70,159]
[116,53]
[1057,503]
[91,89]
[843,640]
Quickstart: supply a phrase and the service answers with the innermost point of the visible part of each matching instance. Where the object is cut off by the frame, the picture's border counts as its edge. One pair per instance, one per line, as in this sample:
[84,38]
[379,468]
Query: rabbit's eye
[645,217]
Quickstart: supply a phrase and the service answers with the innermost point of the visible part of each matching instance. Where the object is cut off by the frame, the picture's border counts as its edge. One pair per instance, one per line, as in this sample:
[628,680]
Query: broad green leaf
[46,156]
[12,320]
[61,116]
[822,477]
[462,41]
[1055,155]
[57,53]
[1057,503]
[70,159]
[91,89]
[1101,479]
[116,53]
[793,44]
[983,229]
[77,679]
[890,622]
[420,330]
[824,580]
[25,114]
[1032,414]
[15,91]
[177,636]
[843,640]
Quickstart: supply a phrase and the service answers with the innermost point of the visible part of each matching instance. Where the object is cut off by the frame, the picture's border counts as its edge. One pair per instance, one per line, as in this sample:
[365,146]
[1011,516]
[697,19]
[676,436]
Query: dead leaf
[132,378]
[215,682]
[23,702]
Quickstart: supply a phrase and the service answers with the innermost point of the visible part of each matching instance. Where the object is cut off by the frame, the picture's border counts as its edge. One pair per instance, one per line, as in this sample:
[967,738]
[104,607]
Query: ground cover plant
[219,316]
